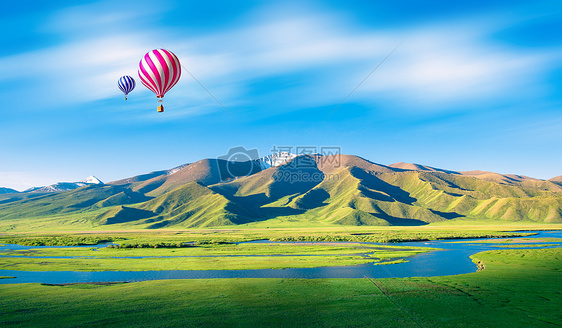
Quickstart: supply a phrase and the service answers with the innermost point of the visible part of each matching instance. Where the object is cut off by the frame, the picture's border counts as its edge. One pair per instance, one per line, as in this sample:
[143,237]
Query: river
[453,257]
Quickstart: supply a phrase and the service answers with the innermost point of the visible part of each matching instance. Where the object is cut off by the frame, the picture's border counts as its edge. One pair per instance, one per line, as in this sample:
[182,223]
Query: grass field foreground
[518,288]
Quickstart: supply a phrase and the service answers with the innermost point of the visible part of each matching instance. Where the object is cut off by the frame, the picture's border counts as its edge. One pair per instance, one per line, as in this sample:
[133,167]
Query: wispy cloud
[447,66]
[437,65]
[77,72]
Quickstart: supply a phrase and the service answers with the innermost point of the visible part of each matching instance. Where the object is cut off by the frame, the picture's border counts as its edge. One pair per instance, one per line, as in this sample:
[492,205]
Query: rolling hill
[314,189]
[419,167]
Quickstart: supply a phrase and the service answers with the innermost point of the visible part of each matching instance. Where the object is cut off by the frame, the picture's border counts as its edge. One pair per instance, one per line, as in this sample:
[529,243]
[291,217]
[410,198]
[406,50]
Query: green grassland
[527,245]
[205,257]
[518,288]
[151,238]
[513,240]
[217,249]
[517,242]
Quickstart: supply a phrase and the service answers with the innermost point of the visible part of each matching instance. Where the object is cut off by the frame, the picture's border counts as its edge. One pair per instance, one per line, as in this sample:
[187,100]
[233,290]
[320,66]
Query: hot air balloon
[126,84]
[159,71]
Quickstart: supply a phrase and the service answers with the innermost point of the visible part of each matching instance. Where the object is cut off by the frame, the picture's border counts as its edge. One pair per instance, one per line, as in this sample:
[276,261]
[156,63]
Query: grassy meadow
[518,288]
[217,249]
[274,231]
[203,257]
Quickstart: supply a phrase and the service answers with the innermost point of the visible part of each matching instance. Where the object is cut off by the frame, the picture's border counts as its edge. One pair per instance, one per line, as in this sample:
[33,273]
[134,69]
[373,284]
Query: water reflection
[452,258]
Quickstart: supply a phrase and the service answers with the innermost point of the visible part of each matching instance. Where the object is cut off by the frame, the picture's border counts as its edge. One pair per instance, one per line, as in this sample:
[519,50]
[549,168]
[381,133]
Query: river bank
[452,258]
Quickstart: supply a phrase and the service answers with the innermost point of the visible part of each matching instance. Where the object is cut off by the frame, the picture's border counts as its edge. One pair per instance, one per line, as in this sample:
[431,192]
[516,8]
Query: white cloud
[436,66]
[77,72]
[444,67]
[279,45]
[105,17]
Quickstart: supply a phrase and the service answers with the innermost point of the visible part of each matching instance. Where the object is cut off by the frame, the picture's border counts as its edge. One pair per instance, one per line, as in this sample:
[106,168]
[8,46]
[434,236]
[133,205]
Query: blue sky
[473,85]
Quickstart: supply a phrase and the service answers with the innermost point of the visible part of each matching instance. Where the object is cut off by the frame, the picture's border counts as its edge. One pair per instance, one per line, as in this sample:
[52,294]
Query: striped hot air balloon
[159,71]
[126,84]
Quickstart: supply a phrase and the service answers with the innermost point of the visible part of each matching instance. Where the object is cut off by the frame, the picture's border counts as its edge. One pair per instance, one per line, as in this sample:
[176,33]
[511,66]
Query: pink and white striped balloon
[159,71]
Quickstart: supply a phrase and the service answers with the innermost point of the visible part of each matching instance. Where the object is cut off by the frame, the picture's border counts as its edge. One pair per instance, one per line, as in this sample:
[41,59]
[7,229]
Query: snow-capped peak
[175,169]
[65,186]
[276,159]
[91,180]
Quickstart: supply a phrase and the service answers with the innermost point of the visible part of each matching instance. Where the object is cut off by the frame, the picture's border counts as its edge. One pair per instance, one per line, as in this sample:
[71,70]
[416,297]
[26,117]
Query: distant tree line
[59,240]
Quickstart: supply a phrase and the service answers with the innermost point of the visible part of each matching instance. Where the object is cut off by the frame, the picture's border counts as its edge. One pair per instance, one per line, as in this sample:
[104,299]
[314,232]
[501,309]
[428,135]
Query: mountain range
[65,186]
[307,189]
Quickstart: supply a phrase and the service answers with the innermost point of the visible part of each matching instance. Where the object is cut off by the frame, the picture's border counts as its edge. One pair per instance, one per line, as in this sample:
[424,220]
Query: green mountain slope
[193,205]
[472,197]
[79,200]
[353,194]
[4,190]
[326,190]
[268,193]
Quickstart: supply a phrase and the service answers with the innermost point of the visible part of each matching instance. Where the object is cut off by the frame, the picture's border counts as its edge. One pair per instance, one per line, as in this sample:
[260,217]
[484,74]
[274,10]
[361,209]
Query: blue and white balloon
[126,84]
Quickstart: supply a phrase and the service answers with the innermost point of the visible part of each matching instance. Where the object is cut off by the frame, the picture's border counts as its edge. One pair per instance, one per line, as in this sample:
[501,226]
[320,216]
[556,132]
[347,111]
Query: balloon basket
[160,106]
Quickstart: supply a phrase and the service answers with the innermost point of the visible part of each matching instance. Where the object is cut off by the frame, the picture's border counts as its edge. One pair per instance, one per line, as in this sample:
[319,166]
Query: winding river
[452,258]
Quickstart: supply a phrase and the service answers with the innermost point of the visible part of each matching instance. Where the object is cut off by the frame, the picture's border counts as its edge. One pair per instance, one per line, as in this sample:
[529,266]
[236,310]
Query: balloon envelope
[159,71]
[126,84]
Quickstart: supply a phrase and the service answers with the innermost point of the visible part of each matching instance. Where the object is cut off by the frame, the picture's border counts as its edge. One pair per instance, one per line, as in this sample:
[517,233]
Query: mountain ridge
[277,159]
[312,189]
[4,190]
[420,167]
[64,186]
